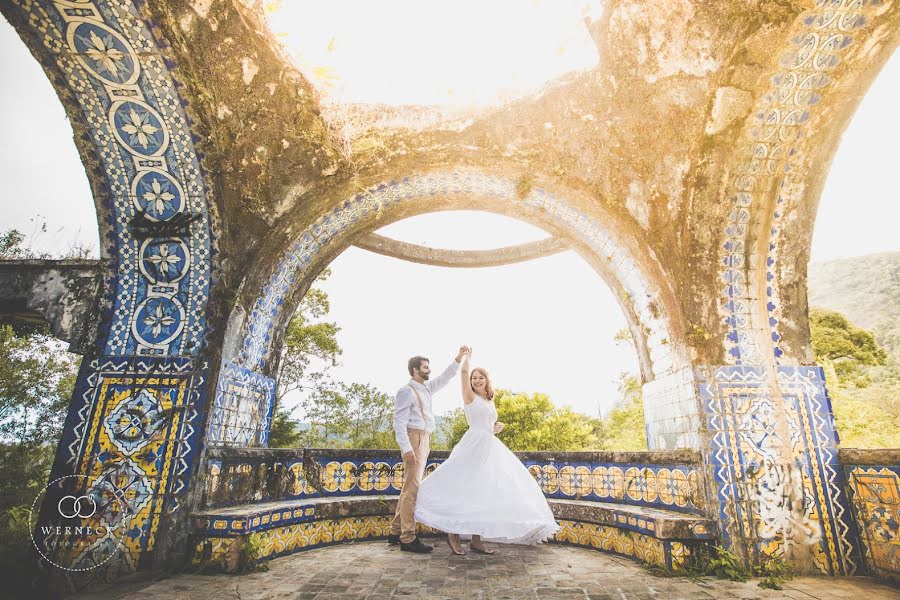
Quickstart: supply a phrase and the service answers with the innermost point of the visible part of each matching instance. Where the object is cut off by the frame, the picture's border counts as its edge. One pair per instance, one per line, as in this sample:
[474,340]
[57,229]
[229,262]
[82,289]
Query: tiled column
[771,447]
[124,466]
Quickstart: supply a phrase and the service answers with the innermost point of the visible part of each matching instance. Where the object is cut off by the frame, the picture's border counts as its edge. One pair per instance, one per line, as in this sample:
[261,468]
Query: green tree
[354,416]
[624,425]
[865,396]
[839,344]
[36,381]
[283,431]
[453,426]
[371,413]
[328,412]
[11,245]
[309,342]
[532,422]
[308,339]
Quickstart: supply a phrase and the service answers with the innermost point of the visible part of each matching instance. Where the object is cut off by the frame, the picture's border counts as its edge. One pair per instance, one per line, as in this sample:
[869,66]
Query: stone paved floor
[372,570]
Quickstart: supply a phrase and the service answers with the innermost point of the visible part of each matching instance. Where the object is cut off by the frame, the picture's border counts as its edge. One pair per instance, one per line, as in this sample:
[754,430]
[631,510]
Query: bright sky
[465,53]
[541,326]
[520,319]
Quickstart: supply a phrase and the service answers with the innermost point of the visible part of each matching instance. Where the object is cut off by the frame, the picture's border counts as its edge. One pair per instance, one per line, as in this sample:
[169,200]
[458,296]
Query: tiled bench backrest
[668,480]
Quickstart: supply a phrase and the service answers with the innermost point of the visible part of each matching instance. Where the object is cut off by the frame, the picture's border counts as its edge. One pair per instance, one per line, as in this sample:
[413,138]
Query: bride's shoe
[481,550]
[459,552]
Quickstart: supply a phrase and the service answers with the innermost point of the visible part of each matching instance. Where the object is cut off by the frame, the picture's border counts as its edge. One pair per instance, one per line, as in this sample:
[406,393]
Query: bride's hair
[488,388]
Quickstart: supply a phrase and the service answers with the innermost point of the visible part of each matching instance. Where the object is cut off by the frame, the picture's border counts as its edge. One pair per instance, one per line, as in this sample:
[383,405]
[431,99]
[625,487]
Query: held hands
[498,427]
[464,352]
[409,456]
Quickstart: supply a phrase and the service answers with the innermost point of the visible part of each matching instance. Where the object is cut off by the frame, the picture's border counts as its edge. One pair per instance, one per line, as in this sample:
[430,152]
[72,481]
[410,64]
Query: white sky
[465,53]
[535,311]
[541,326]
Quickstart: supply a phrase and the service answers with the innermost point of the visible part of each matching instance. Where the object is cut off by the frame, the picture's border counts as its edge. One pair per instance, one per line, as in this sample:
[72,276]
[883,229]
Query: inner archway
[609,243]
[541,325]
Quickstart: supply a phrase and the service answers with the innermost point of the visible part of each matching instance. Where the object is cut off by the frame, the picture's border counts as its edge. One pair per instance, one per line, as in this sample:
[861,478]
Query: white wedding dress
[484,489]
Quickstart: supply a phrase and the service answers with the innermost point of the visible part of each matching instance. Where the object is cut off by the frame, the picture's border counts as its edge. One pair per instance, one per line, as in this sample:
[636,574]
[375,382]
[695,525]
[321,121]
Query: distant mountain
[864,288]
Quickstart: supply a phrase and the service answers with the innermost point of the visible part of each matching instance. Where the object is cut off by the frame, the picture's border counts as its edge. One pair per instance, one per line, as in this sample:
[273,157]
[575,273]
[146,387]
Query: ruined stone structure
[685,169]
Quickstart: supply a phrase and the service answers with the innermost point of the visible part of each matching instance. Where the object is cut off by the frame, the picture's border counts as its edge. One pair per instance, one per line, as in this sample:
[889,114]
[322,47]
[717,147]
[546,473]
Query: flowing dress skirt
[484,489]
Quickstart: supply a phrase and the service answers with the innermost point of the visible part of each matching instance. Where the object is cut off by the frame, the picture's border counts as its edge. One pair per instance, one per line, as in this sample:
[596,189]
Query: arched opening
[854,261]
[603,241]
[56,216]
[544,327]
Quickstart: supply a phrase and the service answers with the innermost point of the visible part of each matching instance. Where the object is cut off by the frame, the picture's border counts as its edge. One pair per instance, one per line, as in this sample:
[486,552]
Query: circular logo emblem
[79,528]
[70,507]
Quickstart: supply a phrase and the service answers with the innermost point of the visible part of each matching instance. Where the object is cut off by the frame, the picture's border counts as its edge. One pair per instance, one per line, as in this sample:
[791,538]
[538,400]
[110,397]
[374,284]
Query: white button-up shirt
[406,406]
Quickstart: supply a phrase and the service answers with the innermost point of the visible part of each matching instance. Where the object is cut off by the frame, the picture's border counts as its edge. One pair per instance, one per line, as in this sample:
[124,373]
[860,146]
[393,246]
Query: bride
[483,490]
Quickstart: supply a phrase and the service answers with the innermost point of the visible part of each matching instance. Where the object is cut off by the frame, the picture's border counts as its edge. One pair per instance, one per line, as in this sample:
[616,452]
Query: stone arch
[772,180]
[604,239]
[778,171]
[157,239]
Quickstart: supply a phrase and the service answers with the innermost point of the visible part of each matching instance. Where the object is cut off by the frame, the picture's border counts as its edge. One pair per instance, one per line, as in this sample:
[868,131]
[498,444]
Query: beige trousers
[404,523]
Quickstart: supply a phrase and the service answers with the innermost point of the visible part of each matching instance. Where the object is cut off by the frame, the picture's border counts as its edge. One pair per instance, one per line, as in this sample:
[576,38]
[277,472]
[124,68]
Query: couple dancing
[482,490]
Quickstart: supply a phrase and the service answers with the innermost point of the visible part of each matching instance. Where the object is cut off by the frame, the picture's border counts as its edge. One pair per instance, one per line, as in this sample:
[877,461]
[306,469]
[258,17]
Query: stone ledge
[658,523]
[874,457]
[248,518]
[683,456]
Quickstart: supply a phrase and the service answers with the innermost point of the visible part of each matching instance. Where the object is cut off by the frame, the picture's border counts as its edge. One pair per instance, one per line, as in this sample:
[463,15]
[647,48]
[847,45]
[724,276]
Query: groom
[413,424]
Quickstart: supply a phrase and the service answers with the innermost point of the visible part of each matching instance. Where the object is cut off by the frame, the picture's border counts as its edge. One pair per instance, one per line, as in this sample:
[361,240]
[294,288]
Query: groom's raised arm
[448,374]
[402,406]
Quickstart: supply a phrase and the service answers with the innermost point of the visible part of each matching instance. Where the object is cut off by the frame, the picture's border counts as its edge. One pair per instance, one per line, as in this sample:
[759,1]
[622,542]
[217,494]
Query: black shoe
[393,540]
[416,546]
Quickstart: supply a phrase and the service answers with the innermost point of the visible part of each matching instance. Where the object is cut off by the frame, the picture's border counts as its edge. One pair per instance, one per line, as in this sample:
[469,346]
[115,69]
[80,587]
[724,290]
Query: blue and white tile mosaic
[135,412]
[772,151]
[137,124]
[777,474]
[242,413]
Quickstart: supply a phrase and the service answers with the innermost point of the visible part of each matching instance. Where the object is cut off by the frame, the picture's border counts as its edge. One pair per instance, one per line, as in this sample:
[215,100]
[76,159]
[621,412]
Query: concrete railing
[873,487]
[651,506]
[669,480]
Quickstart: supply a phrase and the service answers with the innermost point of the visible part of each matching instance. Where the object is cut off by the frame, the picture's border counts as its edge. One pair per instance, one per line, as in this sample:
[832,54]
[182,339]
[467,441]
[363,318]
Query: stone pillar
[120,487]
[771,451]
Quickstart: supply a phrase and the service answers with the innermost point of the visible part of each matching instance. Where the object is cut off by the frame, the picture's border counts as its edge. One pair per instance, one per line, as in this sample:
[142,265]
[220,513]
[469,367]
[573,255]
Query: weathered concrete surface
[65,294]
[869,456]
[263,136]
[439,257]
[702,139]
[652,134]
[376,571]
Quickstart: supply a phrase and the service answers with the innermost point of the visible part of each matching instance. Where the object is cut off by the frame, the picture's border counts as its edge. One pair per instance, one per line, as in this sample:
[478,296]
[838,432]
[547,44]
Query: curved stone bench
[661,537]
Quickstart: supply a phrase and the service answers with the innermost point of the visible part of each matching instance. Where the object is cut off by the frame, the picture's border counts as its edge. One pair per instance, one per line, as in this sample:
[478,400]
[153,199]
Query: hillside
[866,289]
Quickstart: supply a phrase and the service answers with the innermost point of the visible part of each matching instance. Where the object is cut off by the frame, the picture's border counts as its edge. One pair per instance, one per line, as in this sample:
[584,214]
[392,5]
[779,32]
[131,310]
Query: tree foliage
[36,381]
[11,245]
[310,349]
[624,425]
[308,339]
[848,348]
[862,382]
[283,431]
[532,422]
[351,416]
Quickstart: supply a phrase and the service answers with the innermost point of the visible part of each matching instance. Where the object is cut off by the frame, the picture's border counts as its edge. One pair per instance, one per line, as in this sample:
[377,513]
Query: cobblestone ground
[373,570]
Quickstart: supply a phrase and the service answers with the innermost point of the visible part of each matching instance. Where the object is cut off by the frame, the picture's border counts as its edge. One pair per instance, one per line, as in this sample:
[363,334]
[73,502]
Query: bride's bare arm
[467,393]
